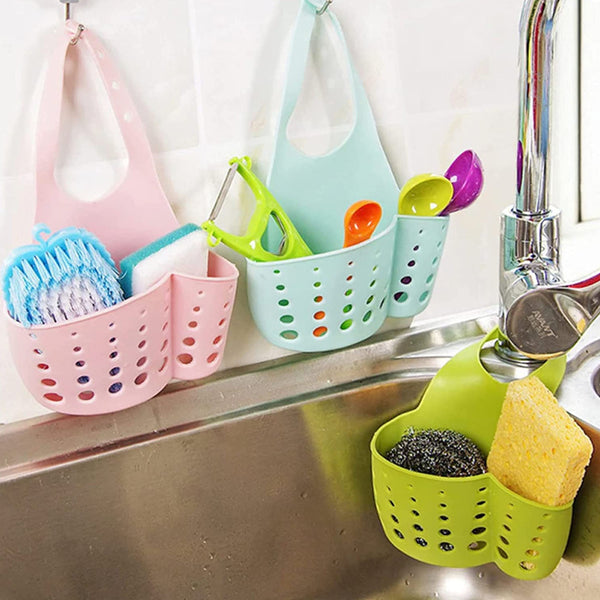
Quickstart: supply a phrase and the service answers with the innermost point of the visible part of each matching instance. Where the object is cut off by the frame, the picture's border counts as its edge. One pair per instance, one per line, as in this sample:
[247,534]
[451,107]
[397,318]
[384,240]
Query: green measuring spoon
[425,196]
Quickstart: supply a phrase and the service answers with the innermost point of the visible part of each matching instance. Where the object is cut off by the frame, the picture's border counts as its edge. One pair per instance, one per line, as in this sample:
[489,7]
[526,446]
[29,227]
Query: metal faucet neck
[529,252]
[541,316]
[535,65]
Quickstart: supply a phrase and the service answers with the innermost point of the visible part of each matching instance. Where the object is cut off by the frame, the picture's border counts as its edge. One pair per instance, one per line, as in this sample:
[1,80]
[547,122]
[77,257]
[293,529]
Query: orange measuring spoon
[360,221]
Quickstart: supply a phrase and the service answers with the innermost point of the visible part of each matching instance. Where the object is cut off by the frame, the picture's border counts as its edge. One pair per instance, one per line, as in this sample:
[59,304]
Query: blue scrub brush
[66,276]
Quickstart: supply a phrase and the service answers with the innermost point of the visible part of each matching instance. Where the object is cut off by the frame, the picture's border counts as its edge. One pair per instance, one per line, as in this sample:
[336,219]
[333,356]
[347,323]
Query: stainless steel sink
[255,484]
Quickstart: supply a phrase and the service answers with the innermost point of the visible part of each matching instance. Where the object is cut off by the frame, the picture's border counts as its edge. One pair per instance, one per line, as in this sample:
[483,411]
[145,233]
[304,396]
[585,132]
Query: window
[590,109]
[575,174]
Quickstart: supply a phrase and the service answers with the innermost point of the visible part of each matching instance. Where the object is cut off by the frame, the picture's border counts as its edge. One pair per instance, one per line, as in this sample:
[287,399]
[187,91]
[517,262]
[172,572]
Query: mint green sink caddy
[338,296]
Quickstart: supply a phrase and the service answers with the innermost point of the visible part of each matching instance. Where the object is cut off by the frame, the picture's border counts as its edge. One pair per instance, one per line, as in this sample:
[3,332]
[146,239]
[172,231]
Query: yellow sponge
[538,451]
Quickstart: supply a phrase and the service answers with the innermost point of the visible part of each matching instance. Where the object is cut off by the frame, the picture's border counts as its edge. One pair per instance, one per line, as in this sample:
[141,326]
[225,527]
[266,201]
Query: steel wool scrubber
[66,276]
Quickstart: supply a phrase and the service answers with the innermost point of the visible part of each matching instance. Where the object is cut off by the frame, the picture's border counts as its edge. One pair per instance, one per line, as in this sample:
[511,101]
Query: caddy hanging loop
[324,7]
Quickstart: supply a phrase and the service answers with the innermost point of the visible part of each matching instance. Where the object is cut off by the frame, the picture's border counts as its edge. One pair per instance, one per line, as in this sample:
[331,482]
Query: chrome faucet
[540,315]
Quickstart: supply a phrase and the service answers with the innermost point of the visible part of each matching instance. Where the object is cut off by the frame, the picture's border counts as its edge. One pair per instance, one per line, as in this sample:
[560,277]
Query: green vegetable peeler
[292,245]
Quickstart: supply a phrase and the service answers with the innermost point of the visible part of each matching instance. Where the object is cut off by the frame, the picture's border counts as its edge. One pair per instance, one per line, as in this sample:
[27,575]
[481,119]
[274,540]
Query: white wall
[206,76]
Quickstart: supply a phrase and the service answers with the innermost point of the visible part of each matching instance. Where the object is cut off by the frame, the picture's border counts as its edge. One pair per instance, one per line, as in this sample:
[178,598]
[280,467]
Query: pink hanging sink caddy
[124,355]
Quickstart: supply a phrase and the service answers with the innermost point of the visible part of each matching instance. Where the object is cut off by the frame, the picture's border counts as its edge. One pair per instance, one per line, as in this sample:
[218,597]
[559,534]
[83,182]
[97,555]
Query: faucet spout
[535,66]
[529,253]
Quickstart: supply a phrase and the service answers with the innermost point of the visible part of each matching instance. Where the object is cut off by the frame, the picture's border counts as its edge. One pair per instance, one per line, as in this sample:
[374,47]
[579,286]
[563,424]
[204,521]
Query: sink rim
[52,440]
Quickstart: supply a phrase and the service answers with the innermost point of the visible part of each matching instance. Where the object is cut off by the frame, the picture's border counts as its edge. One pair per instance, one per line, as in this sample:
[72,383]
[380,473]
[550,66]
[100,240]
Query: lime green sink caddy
[467,521]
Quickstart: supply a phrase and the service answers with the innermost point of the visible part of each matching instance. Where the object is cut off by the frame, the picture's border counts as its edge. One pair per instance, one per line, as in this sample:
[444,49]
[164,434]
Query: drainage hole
[479,545]
[289,334]
[141,378]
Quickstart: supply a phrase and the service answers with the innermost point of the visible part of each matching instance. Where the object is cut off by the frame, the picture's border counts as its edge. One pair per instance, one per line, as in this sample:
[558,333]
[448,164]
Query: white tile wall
[206,76]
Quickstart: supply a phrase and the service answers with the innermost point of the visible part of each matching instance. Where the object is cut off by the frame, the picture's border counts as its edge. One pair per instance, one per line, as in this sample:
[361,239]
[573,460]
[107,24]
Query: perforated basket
[324,301]
[466,521]
[418,249]
[335,299]
[124,355]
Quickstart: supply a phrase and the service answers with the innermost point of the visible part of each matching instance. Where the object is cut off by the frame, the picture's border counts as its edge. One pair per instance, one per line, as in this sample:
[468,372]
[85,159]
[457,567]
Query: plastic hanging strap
[47,135]
[136,211]
[464,378]
[315,191]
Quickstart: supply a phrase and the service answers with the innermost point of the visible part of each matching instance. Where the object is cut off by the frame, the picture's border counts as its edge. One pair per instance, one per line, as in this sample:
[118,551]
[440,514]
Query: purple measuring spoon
[466,176]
